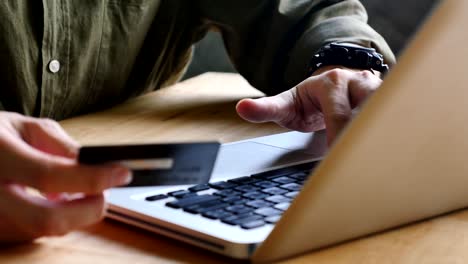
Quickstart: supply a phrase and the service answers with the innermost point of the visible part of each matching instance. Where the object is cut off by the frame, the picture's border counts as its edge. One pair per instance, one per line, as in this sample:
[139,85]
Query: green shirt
[61,58]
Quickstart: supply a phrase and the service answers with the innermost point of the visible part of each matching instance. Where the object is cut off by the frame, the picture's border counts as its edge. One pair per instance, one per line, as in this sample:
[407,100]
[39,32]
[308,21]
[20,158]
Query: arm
[37,153]
[271,42]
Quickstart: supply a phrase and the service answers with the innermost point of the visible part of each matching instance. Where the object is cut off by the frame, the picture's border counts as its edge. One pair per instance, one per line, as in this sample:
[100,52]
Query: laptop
[401,159]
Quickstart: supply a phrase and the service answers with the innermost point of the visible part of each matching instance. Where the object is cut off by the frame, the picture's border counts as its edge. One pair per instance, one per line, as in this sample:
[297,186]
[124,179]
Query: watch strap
[348,55]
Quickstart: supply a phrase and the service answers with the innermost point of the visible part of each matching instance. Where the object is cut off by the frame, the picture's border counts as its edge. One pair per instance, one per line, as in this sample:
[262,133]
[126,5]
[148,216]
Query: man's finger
[10,233]
[337,114]
[54,174]
[35,217]
[279,108]
[294,109]
[361,85]
[49,173]
[47,136]
[341,92]
[334,101]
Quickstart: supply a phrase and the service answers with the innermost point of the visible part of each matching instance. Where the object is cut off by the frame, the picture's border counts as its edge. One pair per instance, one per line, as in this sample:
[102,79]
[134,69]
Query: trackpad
[245,158]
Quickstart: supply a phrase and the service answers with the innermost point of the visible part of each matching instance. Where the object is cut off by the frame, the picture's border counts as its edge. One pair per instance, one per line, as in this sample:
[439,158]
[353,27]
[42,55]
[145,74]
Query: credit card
[158,164]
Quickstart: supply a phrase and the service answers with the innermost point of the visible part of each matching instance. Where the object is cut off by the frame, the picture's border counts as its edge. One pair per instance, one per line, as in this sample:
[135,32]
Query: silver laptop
[402,159]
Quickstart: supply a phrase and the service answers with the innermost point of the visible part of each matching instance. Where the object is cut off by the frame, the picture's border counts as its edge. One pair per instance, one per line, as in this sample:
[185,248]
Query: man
[64,58]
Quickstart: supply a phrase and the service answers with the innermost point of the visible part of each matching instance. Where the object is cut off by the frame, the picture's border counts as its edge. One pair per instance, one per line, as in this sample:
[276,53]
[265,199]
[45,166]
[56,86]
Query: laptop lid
[403,158]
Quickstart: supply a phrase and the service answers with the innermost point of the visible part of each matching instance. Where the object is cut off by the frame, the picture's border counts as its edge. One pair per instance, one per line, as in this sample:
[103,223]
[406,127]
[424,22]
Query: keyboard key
[292,186]
[185,195]
[244,180]
[246,188]
[156,197]
[274,191]
[253,224]
[266,184]
[199,187]
[282,206]
[221,185]
[283,180]
[213,208]
[268,211]
[300,175]
[255,195]
[203,204]
[217,214]
[258,204]
[291,194]
[230,219]
[272,219]
[185,202]
[179,194]
[241,219]
[278,199]
[227,193]
[236,216]
[239,209]
[206,207]
[235,199]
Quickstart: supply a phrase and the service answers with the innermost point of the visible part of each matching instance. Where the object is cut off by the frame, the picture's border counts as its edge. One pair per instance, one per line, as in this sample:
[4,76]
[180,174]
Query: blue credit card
[158,164]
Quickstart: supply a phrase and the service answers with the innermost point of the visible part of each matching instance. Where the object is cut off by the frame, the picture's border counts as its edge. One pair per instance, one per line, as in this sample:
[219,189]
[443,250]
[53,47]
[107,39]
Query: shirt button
[54,66]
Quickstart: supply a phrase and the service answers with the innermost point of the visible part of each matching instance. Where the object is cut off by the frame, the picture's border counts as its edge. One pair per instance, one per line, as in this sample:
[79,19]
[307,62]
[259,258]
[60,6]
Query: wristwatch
[348,55]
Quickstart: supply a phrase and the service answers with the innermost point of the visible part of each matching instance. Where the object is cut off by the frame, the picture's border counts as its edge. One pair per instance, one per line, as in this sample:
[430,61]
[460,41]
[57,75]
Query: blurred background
[395,20]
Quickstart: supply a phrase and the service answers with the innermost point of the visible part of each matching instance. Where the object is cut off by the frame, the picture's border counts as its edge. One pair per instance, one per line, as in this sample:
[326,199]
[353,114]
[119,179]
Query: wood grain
[202,108]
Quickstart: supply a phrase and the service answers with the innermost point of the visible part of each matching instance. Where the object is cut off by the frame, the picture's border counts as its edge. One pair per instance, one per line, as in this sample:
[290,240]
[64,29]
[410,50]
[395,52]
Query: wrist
[332,67]
[347,55]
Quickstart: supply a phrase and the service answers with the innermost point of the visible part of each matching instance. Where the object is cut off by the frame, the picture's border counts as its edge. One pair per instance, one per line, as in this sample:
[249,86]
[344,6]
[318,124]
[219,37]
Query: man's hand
[37,153]
[323,100]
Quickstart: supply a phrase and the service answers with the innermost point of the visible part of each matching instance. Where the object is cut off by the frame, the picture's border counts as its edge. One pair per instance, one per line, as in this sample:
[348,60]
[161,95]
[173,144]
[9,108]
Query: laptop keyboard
[249,201]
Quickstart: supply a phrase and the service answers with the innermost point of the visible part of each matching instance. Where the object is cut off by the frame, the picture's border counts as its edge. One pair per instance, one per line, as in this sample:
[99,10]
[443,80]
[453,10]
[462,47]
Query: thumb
[47,136]
[279,109]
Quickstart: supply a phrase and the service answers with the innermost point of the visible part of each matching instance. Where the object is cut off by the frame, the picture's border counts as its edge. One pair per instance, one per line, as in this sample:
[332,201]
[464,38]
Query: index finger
[334,102]
[49,173]
[40,217]
[341,92]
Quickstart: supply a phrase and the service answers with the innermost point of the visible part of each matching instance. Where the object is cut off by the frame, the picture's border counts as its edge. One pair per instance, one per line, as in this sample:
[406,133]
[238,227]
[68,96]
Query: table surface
[203,108]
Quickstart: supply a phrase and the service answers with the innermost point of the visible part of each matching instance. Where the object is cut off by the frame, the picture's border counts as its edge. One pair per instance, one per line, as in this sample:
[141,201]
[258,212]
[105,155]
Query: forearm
[271,42]
[342,22]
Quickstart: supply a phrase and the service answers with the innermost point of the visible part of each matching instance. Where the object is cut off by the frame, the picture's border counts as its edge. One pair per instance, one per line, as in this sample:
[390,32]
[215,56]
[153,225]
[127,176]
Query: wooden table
[202,108]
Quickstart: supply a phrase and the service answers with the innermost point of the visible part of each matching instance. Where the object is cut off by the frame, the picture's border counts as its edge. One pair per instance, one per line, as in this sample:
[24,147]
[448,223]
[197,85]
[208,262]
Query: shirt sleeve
[270,42]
